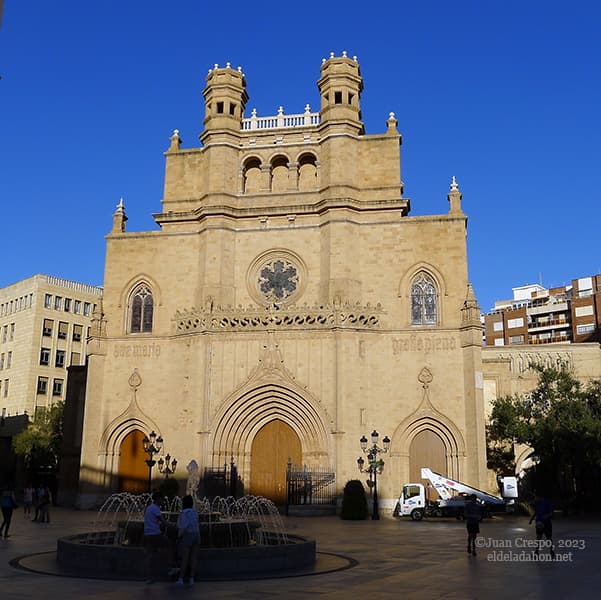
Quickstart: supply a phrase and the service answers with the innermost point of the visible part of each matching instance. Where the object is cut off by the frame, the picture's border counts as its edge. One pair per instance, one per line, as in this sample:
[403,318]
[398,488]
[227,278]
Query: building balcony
[551,324]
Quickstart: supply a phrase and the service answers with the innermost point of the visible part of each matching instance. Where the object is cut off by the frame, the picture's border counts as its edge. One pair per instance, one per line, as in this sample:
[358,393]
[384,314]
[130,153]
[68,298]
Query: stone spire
[176,141]
[119,218]
[470,313]
[454,198]
[391,124]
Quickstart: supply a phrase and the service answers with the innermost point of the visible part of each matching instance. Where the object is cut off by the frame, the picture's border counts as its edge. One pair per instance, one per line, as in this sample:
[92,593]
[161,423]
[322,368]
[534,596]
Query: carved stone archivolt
[351,316]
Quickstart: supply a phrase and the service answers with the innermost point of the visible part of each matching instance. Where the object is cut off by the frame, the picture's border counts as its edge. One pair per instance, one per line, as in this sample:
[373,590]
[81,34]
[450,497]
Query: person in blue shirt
[188,533]
[154,525]
[543,513]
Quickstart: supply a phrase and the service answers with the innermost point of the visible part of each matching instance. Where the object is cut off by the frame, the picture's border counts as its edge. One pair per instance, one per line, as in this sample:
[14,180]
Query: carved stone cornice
[254,318]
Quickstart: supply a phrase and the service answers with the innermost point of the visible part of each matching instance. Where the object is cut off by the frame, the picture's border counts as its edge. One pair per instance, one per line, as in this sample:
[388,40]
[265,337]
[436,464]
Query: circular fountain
[239,537]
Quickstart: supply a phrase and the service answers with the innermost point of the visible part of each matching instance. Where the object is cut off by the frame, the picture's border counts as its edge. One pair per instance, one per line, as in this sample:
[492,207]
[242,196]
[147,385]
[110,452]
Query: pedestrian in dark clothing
[543,513]
[472,513]
[8,503]
[28,494]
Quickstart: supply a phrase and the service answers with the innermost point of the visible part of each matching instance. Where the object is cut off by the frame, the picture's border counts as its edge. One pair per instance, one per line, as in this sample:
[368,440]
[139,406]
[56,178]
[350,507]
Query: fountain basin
[113,561]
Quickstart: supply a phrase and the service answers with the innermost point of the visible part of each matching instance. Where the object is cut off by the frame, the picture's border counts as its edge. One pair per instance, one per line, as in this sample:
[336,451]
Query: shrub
[354,501]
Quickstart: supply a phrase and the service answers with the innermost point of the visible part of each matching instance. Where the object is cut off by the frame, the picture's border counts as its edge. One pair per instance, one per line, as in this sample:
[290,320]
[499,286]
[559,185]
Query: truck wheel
[417,514]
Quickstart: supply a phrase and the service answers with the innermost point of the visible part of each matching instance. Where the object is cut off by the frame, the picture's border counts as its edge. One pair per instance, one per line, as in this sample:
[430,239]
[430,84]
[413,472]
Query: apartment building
[537,315]
[44,323]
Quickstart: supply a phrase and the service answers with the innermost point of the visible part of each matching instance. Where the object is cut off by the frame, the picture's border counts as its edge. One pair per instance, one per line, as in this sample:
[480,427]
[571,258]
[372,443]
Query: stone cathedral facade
[287,305]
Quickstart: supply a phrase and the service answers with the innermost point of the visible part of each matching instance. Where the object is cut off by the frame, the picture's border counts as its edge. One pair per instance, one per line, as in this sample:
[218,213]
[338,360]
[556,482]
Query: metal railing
[310,485]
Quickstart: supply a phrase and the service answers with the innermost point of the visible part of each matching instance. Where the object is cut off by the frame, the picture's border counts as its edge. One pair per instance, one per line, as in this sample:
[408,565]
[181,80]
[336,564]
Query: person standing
[543,513]
[38,495]
[8,503]
[44,500]
[472,514]
[154,524]
[188,533]
[28,493]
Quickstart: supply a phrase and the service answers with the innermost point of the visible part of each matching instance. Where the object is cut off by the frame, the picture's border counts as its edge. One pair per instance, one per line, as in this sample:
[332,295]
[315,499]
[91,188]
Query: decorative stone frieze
[349,316]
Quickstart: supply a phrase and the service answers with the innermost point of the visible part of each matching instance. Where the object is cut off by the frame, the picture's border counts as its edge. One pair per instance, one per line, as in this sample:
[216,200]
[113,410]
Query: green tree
[39,443]
[561,421]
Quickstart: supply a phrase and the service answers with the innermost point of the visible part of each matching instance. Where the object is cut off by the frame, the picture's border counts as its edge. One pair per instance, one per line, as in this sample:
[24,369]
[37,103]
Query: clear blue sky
[505,95]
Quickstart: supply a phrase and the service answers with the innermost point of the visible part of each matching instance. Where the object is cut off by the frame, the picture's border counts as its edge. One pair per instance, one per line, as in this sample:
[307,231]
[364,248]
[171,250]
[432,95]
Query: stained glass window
[424,301]
[141,307]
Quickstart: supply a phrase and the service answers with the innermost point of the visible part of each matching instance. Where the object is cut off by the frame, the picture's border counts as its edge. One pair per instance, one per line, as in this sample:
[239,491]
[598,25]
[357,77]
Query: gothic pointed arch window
[424,300]
[141,308]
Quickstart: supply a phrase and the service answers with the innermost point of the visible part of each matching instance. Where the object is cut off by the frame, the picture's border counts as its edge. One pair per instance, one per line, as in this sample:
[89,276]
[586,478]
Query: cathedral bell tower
[225,99]
[340,87]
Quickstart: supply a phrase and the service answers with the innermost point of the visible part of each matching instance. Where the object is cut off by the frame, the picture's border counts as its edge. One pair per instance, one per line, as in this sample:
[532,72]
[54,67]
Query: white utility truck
[415,503]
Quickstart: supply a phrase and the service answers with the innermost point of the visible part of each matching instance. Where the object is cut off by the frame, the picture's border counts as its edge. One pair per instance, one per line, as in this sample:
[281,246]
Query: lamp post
[152,445]
[375,465]
[167,466]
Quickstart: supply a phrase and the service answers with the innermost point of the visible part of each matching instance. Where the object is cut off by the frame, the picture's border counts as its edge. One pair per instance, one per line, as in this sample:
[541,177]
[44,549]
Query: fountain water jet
[238,537]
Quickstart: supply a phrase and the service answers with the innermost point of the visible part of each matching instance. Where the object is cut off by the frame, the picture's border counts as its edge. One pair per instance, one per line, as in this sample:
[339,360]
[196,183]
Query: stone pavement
[396,559]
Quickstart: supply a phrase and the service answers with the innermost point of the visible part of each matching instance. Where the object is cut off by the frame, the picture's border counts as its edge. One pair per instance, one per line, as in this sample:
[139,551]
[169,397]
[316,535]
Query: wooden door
[273,445]
[427,450]
[133,470]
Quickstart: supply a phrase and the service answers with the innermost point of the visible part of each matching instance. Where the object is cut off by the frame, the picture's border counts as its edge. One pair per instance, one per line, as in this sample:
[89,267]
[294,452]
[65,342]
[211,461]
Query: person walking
[543,513]
[37,498]
[44,500]
[188,533]
[8,503]
[154,524]
[472,514]
[28,493]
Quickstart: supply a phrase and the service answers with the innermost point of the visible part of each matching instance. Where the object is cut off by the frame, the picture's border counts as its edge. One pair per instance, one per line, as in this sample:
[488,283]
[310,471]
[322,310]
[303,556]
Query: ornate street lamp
[167,466]
[375,465]
[152,445]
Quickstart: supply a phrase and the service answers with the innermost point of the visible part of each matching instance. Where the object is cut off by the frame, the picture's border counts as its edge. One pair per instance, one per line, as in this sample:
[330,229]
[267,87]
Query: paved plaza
[383,559]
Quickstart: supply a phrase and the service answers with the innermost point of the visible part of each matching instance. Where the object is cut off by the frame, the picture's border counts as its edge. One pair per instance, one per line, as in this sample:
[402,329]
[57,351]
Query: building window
[1,361]
[75,358]
[45,356]
[77,333]
[57,387]
[424,301]
[86,309]
[63,330]
[42,385]
[47,328]
[9,360]
[48,301]
[6,388]
[584,311]
[516,339]
[498,326]
[513,323]
[60,359]
[141,309]
[67,304]
[12,332]
[4,333]
[77,307]
[58,302]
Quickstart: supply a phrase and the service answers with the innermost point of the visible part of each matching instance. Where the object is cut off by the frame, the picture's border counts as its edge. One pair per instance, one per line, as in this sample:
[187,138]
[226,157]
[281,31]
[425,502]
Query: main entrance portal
[133,472]
[273,446]
[427,450]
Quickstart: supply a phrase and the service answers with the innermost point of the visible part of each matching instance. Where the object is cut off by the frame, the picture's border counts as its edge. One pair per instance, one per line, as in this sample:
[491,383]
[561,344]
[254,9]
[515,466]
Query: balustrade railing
[279,121]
